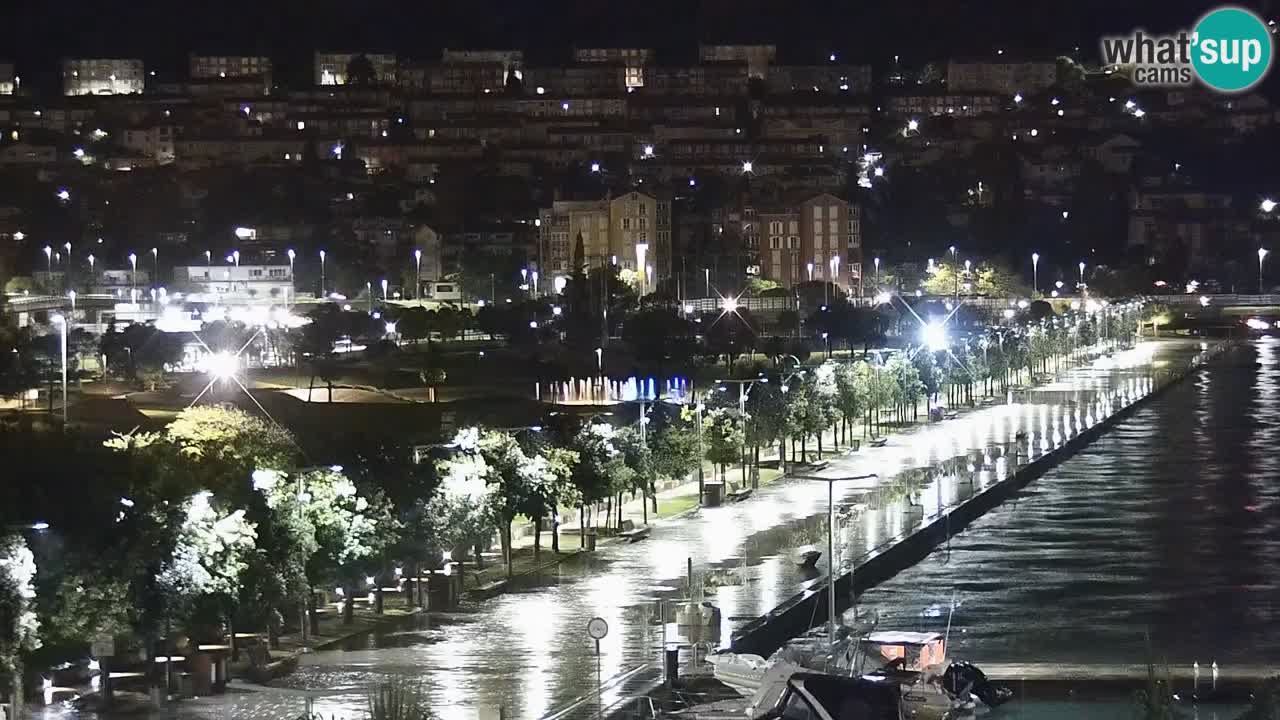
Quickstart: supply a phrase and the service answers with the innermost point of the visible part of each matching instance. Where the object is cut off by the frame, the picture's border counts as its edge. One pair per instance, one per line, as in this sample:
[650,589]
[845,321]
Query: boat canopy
[902,638]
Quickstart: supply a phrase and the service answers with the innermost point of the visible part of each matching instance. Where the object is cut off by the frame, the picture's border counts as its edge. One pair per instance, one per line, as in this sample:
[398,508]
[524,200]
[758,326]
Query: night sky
[163,32]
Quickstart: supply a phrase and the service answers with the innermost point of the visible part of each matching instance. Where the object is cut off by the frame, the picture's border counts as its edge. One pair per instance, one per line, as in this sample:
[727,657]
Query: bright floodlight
[729,304]
[221,365]
[913,124]
[747,166]
[1268,205]
[934,336]
[879,172]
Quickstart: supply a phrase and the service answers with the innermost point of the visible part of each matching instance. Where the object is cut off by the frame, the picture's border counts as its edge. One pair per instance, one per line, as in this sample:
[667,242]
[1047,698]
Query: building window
[775,227]
[817,212]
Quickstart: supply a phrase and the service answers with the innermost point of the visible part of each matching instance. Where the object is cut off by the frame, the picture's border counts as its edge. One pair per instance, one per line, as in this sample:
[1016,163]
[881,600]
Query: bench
[635,535]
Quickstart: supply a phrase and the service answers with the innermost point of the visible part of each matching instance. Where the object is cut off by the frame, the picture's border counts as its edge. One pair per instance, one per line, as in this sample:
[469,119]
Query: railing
[1221,300]
[25,303]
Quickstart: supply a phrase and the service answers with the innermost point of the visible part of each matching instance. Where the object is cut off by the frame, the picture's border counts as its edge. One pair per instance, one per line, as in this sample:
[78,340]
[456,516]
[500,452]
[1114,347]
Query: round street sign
[597,628]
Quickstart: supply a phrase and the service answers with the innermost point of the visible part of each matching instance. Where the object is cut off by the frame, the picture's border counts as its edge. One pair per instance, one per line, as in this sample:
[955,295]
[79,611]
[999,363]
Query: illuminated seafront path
[527,653]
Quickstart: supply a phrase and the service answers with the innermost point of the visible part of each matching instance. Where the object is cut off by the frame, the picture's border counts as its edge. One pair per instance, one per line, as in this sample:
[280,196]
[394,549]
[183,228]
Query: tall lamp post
[1081,266]
[61,322]
[322,274]
[292,255]
[1035,273]
[155,267]
[133,282]
[1262,253]
[417,274]
[744,391]
[955,270]
[832,566]
[48,260]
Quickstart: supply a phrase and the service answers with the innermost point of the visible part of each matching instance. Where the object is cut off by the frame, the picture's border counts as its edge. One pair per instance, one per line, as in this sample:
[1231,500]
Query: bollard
[671,663]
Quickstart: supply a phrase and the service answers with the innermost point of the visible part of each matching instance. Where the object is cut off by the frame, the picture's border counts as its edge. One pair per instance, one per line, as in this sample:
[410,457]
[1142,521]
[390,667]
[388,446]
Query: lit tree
[19,626]
[722,438]
[462,506]
[601,470]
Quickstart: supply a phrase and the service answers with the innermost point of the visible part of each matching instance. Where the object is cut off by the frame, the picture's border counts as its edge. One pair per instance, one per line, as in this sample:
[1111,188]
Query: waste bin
[589,541]
[713,494]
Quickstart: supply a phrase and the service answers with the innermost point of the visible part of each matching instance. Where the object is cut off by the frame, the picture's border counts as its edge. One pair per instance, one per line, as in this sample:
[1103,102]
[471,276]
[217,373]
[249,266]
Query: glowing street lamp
[384,290]
[91,260]
[1035,273]
[1266,206]
[1081,266]
[1262,253]
[600,360]
[208,259]
[641,250]
[810,272]
[747,167]
[321,273]
[291,255]
[729,304]
[934,336]
[417,273]
[155,265]
[61,322]
[48,257]
[877,262]
[133,262]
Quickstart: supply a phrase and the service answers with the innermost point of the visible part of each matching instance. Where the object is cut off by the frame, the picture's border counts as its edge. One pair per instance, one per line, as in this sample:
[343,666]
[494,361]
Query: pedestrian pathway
[526,654]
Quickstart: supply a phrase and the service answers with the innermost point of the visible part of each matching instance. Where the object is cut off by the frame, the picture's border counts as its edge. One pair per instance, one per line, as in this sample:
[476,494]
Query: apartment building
[632,60]
[1004,78]
[102,76]
[330,68]
[219,67]
[156,142]
[818,238]
[632,231]
[757,58]
[235,284]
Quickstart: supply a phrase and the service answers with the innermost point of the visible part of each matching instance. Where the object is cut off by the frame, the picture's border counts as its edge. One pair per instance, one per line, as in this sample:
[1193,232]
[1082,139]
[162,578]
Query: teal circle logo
[1231,49]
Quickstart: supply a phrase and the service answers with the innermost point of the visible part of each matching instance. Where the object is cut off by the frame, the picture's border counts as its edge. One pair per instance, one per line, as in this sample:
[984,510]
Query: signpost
[597,628]
[103,647]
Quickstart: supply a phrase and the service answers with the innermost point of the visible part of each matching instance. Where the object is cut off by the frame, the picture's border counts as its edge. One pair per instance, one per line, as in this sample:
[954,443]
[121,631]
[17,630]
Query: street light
[1081,266]
[61,322]
[321,273]
[235,255]
[810,272]
[1262,253]
[208,259]
[417,274]
[1035,273]
[955,270]
[292,255]
[133,283]
[155,265]
[832,566]
[1267,205]
[641,250]
[706,278]
[48,257]
[91,259]
[384,290]
[877,262]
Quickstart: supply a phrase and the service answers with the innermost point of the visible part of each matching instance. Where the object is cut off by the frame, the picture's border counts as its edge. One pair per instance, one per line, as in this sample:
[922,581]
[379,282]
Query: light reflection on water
[1168,523]
[528,651]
